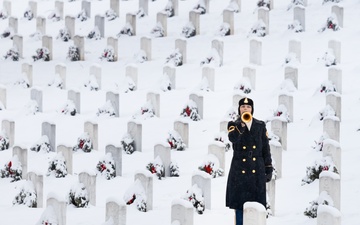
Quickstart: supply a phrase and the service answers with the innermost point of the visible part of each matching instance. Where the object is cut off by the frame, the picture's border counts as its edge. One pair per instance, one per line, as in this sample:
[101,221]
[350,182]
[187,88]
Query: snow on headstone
[331,126]
[27,69]
[228,18]
[74,96]
[333,99]
[146,180]
[336,48]
[33,8]
[218,149]
[209,73]
[154,99]
[37,96]
[116,154]
[175,4]
[331,183]
[61,70]
[299,15]
[339,12]
[250,73]
[182,128]
[55,210]
[135,131]
[89,182]
[47,42]
[115,210]
[328,215]
[288,102]
[95,70]
[335,76]
[100,24]
[14,24]
[113,43]
[70,25]
[114,98]
[131,19]
[218,45]
[79,42]
[59,9]
[295,47]
[131,72]
[332,148]
[144,5]
[145,45]
[276,155]
[49,130]
[7,7]
[263,15]
[164,152]
[115,6]
[292,74]
[38,183]
[181,45]
[182,211]
[171,73]
[67,153]
[254,213]
[92,129]
[41,25]
[203,181]
[86,6]
[199,100]
[9,128]
[255,53]
[279,128]
[22,155]
[194,18]
[161,18]
[18,43]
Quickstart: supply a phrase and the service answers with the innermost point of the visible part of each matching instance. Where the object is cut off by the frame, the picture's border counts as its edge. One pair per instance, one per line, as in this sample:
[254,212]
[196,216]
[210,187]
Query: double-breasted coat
[246,179]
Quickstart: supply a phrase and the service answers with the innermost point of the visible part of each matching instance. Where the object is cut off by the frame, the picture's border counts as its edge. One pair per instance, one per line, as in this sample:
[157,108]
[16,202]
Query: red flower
[152,169]
[131,200]
[188,111]
[208,169]
[171,144]
[102,167]
[326,168]
[278,113]
[81,144]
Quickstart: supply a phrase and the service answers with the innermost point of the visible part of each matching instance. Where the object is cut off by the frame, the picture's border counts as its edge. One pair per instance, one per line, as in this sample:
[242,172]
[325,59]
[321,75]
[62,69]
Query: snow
[292,198]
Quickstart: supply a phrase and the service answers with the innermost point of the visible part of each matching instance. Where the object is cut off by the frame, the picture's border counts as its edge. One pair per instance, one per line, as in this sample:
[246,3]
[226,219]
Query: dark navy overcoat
[246,179]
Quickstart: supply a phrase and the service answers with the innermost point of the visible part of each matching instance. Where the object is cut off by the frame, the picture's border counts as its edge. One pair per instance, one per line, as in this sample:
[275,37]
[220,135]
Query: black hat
[246,101]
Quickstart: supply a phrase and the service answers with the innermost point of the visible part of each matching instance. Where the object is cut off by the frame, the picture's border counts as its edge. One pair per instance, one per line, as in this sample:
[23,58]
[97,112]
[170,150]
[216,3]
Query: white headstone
[171,73]
[92,129]
[218,150]
[209,74]
[331,126]
[339,12]
[279,128]
[79,42]
[114,98]
[47,42]
[164,152]
[144,4]
[161,17]
[70,25]
[288,101]
[3,96]
[14,24]
[116,211]
[219,46]
[38,183]
[292,74]
[181,45]
[18,43]
[67,152]
[263,15]
[295,47]
[86,6]
[116,154]
[28,70]
[75,97]
[336,47]
[113,42]
[33,7]
[333,99]
[182,211]
[270,195]
[115,5]
[37,96]
[7,7]
[328,215]
[9,128]
[335,76]
[49,130]
[95,70]
[41,25]
[22,155]
[254,214]
[131,19]
[228,18]
[146,180]
[203,181]
[183,129]
[199,100]
[154,99]
[276,155]
[100,24]
[255,52]
[59,208]
[132,72]
[59,9]
[331,183]
[332,148]
[299,15]
[135,131]
[250,73]
[145,43]
[61,70]
[89,182]
[194,18]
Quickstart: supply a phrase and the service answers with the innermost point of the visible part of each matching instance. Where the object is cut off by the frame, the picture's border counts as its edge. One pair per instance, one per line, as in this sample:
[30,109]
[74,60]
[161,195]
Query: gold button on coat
[244,147]
[244,160]
[254,159]
[253,171]
[243,171]
[254,146]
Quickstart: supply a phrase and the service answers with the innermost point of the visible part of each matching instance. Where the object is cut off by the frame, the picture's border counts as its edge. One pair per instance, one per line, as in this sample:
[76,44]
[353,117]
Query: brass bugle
[246,117]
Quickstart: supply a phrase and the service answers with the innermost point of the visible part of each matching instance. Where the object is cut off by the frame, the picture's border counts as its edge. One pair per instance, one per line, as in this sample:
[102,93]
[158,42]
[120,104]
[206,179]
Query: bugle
[246,117]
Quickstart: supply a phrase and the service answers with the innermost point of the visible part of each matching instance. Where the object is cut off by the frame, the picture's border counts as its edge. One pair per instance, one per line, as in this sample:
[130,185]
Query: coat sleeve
[266,148]
[235,131]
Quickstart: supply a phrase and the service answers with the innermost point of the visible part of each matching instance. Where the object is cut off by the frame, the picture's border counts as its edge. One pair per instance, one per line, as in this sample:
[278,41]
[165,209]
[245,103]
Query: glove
[268,173]
[234,130]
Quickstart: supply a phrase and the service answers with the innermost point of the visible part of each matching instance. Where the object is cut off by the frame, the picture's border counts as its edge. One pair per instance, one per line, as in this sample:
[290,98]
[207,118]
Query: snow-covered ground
[292,198]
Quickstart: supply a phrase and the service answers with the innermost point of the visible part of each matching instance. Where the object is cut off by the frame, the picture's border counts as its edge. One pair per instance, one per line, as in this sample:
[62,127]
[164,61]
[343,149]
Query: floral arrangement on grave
[82,16]
[169,9]
[94,34]
[12,169]
[57,82]
[296,26]
[258,29]
[282,112]
[313,171]
[233,7]
[329,58]
[106,167]
[213,58]
[243,86]
[128,144]
[273,137]
[174,169]
[165,83]
[27,196]
[64,35]
[331,24]
[4,141]
[3,14]
[84,143]
[200,7]
[224,30]
[231,114]
[294,3]
[110,14]
[136,195]
[8,32]
[175,58]
[325,112]
[12,54]
[23,81]
[204,85]
[223,138]
[320,143]
[263,3]
[42,145]
[157,31]
[268,207]
[129,84]
[78,196]
[73,53]
[290,58]
[108,54]
[106,110]
[92,84]
[146,112]
[156,167]
[323,199]
[68,108]
[54,16]
[211,165]
[57,166]
[331,1]
[195,197]
[126,30]
[175,141]
[327,86]
[42,54]
[48,217]
[191,111]
[188,30]
[28,14]
[31,108]
[141,56]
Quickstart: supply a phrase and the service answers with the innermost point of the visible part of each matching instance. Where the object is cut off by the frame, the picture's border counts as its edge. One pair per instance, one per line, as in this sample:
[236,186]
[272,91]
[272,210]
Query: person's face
[245,108]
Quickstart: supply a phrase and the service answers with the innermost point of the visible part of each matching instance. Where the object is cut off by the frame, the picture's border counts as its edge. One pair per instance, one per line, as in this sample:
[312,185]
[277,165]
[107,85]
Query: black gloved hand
[268,173]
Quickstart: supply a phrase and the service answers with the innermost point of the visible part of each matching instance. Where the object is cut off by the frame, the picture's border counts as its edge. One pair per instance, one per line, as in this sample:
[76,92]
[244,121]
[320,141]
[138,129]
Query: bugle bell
[246,117]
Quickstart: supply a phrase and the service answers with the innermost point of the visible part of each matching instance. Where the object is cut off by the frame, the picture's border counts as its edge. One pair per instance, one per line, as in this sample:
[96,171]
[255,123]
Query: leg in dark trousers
[239,216]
